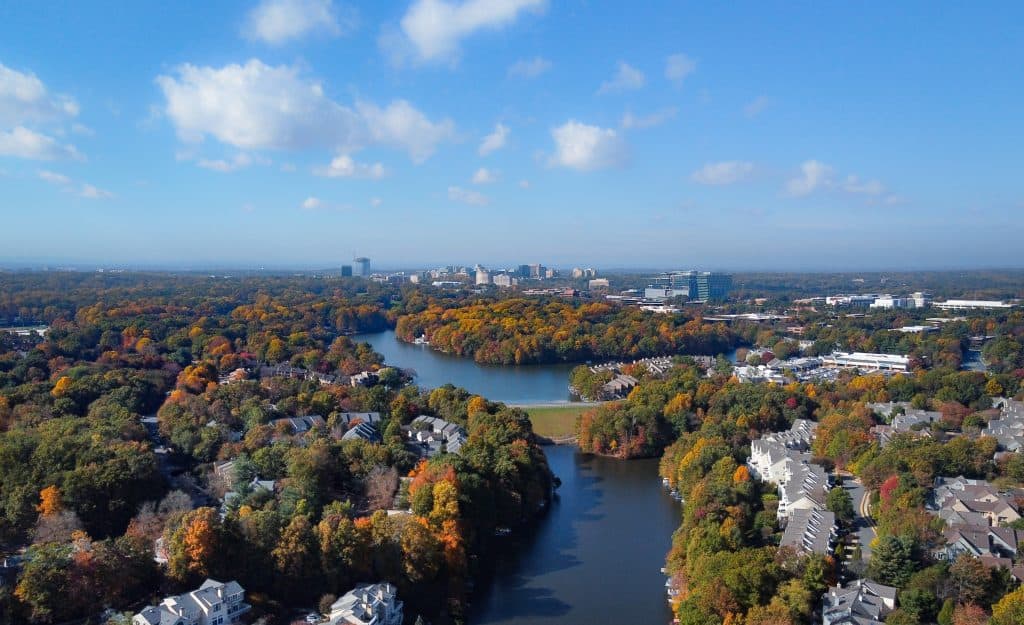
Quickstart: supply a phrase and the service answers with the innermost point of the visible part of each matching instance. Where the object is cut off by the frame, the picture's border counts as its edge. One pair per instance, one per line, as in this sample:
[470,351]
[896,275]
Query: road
[864,526]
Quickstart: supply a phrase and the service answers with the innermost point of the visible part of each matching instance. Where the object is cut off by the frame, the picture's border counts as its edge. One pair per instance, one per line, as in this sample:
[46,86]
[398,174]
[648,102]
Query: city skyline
[278,133]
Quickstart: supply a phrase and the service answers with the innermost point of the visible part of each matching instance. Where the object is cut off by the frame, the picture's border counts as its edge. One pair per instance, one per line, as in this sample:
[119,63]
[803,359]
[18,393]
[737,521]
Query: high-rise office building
[346,270]
[364,266]
[695,285]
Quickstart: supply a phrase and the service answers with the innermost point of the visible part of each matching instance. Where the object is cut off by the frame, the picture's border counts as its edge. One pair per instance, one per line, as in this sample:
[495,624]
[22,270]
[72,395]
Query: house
[1008,429]
[432,434]
[860,602]
[962,501]
[979,541]
[300,425]
[213,603]
[363,431]
[365,378]
[619,386]
[367,604]
[810,531]
[347,418]
[903,419]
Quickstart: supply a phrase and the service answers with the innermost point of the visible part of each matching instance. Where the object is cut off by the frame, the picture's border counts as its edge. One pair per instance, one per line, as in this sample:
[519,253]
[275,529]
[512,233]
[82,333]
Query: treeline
[530,331]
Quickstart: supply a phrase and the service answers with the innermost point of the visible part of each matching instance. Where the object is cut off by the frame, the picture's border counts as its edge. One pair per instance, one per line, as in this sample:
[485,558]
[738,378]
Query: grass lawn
[555,421]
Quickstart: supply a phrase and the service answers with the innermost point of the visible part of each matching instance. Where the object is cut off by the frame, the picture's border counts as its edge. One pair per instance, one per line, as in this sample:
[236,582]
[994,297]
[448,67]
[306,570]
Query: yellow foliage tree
[61,388]
[49,501]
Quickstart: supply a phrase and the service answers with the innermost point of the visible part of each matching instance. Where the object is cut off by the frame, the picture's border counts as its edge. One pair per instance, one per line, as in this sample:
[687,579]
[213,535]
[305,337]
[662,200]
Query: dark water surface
[521,385]
[595,558]
[528,384]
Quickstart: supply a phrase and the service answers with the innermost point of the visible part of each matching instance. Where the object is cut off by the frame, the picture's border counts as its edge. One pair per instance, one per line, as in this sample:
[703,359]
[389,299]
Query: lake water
[529,384]
[595,558]
[520,385]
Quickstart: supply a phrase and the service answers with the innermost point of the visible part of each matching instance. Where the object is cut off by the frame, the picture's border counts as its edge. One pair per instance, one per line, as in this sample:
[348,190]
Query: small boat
[502,531]
[421,340]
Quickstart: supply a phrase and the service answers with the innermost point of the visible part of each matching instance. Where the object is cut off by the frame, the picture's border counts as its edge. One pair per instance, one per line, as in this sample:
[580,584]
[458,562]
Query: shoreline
[557,403]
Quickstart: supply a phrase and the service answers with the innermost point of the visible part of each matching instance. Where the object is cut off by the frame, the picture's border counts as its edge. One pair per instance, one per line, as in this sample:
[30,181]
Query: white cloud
[312,203]
[466,196]
[24,98]
[90,192]
[524,184]
[376,202]
[485,176]
[678,67]
[853,184]
[344,166]
[756,106]
[529,68]
[494,141]
[626,77]
[278,21]
[239,161]
[433,29]
[21,142]
[400,125]
[82,129]
[53,177]
[723,173]
[584,148]
[257,106]
[656,118]
[814,175]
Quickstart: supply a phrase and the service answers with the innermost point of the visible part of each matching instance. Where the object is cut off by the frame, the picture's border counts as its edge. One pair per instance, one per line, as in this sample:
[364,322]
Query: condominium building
[213,603]
[368,604]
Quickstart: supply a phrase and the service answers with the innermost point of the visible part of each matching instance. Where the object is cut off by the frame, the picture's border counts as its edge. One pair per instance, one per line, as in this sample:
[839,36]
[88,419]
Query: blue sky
[294,133]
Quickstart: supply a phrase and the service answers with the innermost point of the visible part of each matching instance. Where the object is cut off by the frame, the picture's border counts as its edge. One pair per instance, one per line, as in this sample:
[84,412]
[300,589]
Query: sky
[299,133]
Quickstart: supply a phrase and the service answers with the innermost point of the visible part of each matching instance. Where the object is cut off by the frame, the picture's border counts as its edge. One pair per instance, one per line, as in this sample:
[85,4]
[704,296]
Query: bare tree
[56,528]
[381,484]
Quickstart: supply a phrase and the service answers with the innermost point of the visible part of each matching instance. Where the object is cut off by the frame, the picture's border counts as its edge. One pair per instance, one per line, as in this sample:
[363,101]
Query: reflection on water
[595,558]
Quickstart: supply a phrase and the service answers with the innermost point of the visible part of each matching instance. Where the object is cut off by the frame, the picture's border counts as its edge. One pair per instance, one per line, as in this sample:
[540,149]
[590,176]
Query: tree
[1010,609]
[945,616]
[295,558]
[892,561]
[194,545]
[49,501]
[840,502]
[970,579]
[969,614]
[381,484]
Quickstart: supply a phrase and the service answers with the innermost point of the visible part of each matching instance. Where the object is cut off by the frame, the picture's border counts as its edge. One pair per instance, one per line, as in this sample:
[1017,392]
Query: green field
[555,421]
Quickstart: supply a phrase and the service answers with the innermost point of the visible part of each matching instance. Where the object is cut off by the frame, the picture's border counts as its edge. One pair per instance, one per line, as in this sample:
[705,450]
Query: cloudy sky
[295,133]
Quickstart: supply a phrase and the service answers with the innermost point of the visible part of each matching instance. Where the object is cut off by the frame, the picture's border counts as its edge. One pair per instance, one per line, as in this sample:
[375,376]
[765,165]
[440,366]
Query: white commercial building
[866,361]
[973,304]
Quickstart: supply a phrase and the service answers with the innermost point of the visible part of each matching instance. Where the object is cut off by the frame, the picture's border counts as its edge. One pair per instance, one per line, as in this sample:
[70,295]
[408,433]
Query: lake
[527,384]
[520,385]
[596,556]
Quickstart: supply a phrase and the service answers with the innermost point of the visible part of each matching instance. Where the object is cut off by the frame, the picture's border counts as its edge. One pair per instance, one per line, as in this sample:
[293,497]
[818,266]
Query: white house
[860,602]
[368,604]
[213,603]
